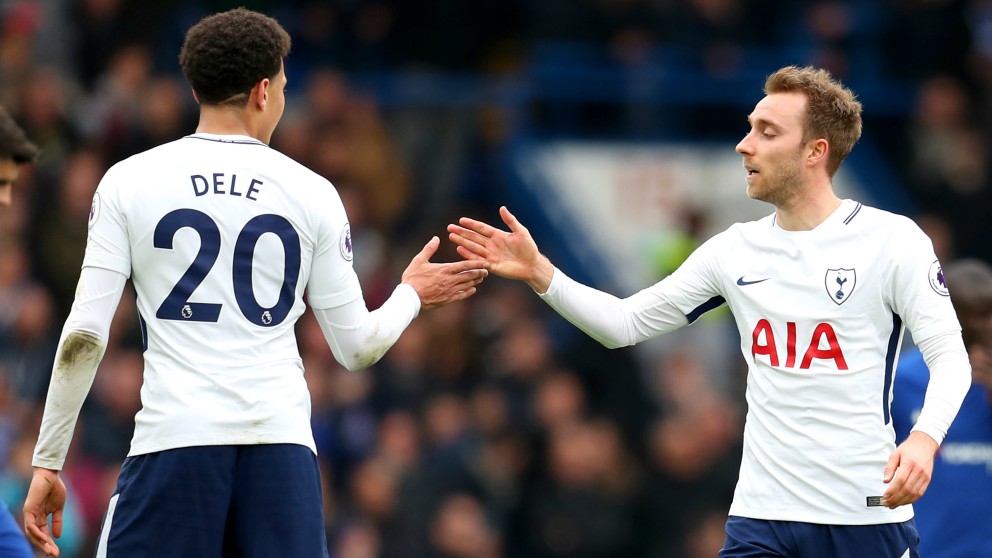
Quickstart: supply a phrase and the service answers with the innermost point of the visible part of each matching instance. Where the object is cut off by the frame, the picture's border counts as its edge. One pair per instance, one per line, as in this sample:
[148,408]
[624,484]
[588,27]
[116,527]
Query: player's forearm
[359,338]
[76,362]
[950,380]
[81,347]
[612,321]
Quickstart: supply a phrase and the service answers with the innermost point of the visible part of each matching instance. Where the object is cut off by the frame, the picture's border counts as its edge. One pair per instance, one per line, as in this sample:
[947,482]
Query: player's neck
[225,121]
[806,213]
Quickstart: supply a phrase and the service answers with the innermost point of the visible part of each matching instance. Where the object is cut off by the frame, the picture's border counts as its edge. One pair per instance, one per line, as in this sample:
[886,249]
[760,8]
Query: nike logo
[905,554]
[744,283]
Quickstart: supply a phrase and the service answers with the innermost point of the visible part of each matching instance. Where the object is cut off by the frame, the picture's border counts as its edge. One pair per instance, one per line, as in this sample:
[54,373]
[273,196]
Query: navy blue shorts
[217,501]
[758,538]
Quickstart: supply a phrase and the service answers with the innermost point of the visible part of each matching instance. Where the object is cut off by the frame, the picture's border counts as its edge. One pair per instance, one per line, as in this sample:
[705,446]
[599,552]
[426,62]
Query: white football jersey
[821,315]
[221,236]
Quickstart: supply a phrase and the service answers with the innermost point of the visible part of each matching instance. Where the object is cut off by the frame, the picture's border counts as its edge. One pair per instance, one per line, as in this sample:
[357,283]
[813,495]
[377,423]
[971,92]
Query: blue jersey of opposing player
[954,517]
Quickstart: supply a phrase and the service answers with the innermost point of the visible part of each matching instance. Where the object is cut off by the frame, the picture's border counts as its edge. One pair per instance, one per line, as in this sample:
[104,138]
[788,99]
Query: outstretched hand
[46,495]
[909,470]
[513,255]
[438,284]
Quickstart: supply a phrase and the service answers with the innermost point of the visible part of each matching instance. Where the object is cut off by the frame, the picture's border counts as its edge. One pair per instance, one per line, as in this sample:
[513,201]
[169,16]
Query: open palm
[513,254]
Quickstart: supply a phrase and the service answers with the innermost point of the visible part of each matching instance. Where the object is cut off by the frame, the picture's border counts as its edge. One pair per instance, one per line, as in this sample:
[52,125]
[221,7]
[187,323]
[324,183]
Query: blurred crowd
[492,429]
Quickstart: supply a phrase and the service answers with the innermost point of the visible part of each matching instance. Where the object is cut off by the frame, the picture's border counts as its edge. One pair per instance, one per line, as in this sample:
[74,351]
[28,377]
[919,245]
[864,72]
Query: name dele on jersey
[220,184]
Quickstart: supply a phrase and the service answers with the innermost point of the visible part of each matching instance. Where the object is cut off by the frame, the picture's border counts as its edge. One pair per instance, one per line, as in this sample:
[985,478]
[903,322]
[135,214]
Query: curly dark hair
[226,54]
[13,143]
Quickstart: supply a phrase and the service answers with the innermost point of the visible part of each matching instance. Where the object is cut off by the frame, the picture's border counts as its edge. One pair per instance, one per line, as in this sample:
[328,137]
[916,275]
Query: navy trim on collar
[852,215]
[221,140]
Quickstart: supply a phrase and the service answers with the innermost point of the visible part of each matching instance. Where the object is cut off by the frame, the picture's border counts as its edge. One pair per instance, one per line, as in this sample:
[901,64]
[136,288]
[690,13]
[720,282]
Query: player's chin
[756,192]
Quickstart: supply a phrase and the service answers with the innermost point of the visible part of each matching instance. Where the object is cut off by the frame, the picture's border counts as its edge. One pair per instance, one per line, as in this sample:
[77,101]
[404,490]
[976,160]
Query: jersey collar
[843,215]
[226,138]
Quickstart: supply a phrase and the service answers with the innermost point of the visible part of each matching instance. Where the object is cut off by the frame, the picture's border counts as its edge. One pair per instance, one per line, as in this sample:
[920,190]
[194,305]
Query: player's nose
[744,146]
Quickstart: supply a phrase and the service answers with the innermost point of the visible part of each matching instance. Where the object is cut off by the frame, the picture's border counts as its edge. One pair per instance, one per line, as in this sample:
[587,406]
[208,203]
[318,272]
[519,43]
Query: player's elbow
[80,349]
[613,343]
[611,338]
[360,360]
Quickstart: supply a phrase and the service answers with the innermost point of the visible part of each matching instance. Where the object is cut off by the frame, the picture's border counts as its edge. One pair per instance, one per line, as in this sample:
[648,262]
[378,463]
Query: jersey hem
[177,443]
[825,518]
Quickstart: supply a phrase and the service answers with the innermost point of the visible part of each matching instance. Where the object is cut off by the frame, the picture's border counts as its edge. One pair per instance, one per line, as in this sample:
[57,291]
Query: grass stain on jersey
[78,357]
[368,358]
[371,355]
[80,349]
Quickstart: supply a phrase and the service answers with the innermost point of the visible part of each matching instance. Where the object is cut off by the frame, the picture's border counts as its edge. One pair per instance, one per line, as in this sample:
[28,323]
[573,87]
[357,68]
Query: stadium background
[492,429]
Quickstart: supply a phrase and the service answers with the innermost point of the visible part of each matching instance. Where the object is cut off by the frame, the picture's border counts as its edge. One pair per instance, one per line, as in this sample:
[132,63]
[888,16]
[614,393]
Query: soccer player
[220,235]
[954,517]
[15,150]
[820,290]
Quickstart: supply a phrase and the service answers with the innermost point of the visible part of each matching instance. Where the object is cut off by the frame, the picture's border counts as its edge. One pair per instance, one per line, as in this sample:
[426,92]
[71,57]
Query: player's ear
[817,151]
[260,93]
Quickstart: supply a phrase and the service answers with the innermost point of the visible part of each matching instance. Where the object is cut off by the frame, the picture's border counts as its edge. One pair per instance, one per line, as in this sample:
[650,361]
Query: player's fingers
[33,532]
[896,484]
[38,537]
[895,494]
[57,523]
[462,231]
[899,500]
[472,235]
[477,276]
[480,227]
[915,486]
[472,276]
[511,221]
[456,283]
[475,248]
[469,254]
[428,250]
[469,279]
[456,232]
[465,266]
[890,467]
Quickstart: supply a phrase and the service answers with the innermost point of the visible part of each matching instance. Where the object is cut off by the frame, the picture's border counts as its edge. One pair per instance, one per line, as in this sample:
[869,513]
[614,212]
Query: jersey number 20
[177,306]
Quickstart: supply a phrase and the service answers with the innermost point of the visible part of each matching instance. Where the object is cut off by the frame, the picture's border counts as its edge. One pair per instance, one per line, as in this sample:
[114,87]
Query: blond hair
[832,111]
